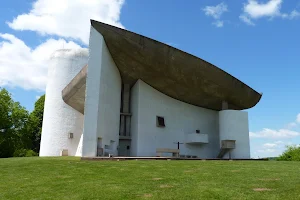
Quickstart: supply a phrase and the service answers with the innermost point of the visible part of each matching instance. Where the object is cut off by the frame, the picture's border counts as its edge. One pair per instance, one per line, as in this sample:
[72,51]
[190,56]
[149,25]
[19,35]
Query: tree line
[20,130]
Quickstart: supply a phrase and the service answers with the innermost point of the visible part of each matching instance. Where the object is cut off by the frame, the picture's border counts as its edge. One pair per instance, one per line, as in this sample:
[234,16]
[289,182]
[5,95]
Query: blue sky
[255,41]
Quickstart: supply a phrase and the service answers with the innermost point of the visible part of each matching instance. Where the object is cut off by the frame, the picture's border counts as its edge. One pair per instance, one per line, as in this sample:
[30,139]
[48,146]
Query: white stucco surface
[196,138]
[233,125]
[180,119]
[103,98]
[79,147]
[59,118]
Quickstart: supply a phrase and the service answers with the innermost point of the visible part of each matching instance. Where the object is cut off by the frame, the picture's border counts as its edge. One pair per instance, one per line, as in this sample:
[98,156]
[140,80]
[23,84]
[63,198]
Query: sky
[257,41]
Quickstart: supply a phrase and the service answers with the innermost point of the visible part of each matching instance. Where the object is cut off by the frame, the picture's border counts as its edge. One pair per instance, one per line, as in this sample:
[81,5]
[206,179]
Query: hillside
[70,178]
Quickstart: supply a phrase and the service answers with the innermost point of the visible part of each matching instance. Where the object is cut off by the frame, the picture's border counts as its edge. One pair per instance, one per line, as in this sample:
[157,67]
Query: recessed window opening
[160,121]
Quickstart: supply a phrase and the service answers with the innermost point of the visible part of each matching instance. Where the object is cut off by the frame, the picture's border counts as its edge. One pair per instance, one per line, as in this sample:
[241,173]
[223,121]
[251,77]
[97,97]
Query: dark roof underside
[173,72]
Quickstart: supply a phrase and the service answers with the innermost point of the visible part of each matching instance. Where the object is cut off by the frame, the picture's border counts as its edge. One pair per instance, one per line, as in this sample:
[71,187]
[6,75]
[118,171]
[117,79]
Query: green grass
[70,178]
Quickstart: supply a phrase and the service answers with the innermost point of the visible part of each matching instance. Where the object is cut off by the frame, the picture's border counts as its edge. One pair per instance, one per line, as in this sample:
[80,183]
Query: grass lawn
[69,178]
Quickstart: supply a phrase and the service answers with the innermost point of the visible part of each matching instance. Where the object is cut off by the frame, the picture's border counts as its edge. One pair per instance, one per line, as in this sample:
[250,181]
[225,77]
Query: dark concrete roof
[173,72]
[169,70]
[74,93]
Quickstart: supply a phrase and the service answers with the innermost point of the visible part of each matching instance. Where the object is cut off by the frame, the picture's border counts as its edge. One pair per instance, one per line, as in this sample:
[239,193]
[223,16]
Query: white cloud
[294,123]
[294,14]
[216,12]
[68,18]
[266,150]
[298,118]
[24,66]
[37,97]
[270,145]
[279,142]
[256,10]
[253,9]
[247,20]
[271,149]
[274,147]
[269,133]
[291,125]
[218,23]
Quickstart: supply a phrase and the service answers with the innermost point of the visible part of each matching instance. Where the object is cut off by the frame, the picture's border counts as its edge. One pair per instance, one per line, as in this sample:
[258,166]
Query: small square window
[70,135]
[160,121]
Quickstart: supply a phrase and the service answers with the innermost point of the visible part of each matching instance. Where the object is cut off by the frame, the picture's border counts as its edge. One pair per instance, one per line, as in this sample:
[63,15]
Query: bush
[292,153]
[25,153]
[30,153]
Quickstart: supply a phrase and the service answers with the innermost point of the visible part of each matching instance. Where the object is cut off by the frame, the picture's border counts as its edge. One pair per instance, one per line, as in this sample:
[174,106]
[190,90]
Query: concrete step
[222,152]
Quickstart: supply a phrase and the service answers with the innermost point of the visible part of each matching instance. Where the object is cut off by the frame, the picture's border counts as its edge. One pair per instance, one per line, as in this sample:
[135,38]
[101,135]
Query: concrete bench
[175,152]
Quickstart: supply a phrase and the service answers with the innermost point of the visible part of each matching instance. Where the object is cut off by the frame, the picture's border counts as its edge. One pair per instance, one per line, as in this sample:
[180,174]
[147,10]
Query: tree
[35,122]
[13,120]
[20,132]
[292,153]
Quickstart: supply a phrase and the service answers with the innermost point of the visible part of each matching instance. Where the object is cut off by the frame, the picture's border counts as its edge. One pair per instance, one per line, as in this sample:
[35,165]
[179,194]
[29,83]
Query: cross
[178,143]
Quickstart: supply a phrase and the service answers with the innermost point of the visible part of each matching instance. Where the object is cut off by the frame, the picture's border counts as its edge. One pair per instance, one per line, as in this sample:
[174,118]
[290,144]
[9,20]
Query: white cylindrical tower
[59,118]
[233,125]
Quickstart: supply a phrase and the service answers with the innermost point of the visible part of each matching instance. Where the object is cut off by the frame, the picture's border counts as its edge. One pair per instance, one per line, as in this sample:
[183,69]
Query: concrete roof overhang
[171,71]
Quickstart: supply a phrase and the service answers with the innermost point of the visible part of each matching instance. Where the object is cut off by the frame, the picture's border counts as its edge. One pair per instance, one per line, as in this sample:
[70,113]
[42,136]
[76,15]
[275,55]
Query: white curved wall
[60,118]
[233,125]
[180,119]
[103,98]
[79,147]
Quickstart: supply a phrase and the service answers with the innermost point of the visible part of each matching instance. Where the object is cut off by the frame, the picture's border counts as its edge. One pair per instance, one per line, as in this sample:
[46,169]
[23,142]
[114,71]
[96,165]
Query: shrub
[292,153]
[30,153]
[25,153]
